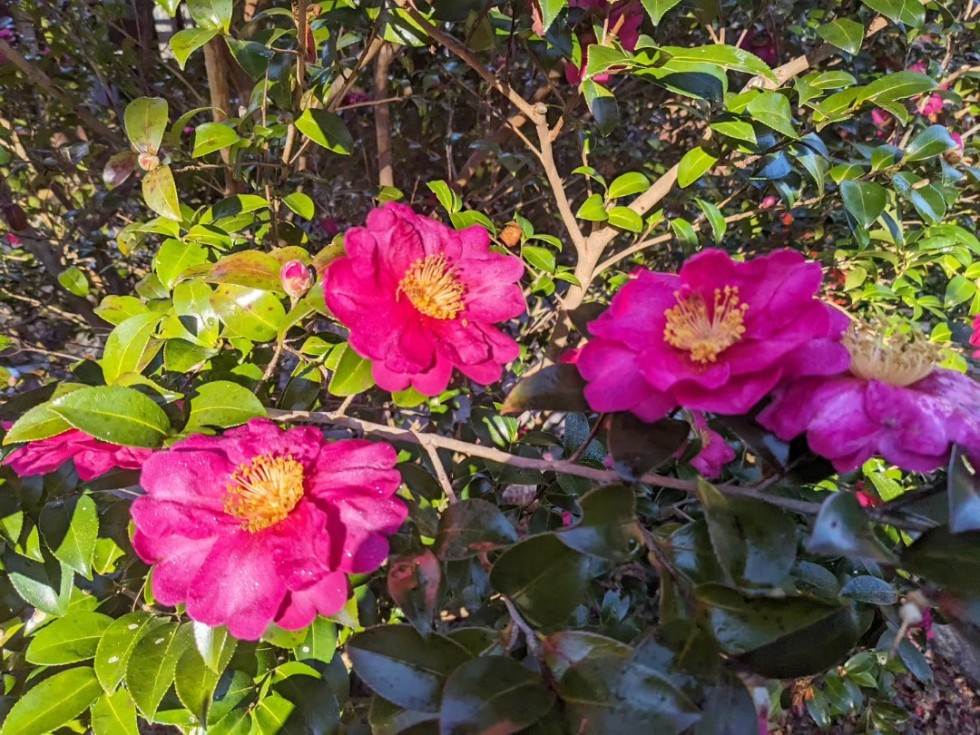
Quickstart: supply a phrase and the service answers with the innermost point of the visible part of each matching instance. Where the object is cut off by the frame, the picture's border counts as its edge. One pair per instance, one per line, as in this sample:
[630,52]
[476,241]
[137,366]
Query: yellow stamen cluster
[878,353]
[433,287]
[705,333]
[264,491]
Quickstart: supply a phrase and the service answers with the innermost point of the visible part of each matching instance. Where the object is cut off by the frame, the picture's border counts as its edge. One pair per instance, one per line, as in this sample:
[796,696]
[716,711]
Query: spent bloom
[262,525]
[420,299]
[718,336]
[715,452]
[92,457]
[893,402]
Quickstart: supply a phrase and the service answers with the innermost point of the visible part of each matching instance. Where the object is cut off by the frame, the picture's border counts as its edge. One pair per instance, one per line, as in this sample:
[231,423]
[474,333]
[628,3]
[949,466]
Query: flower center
[433,287]
[264,491]
[703,333]
[890,357]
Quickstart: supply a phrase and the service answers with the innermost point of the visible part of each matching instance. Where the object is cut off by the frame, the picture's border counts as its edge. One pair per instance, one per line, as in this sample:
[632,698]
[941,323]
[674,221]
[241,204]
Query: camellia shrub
[560,366]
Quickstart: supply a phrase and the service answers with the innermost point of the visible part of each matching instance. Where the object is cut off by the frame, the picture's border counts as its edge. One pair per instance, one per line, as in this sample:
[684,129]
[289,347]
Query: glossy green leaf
[625,218]
[472,527]
[184,43]
[400,665]
[930,143]
[636,447]
[684,233]
[737,129]
[114,714]
[727,57]
[326,129]
[248,312]
[53,702]
[715,218]
[627,184]
[550,10]
[160,192]
[414,579]
[950,560]
[38,423]
[131,346]
[872,590]
[909,12]
[593,209]
[146,121]
[896,86]
[73,281]
[222,404]
[320,642]
[352,374]
[212,136]
[773,110]
[114,414]
[552,388]
[608,528]
[656,9]
[117,644]
[843,33]
[695,163]
[842,528]
[602,104]
[539,257]
[153,663]
[70,528]
[214,14]
[47,587]
[67,640]
[301,204]
[865,200]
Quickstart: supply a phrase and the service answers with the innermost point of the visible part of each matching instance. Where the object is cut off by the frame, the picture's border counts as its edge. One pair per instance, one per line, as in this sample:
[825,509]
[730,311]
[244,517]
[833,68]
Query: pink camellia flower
[296,278]
[761,44]
[770,201]
[262,525]
[715,452]
[621,18]
[330,226]
[975,337]
[717,337]
[92,457]
[930,105]
[893,402]
[419,299]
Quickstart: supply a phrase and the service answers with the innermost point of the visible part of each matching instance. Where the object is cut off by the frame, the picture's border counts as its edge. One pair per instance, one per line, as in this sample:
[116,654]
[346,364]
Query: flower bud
[511,234]
[148,161]
[296,278]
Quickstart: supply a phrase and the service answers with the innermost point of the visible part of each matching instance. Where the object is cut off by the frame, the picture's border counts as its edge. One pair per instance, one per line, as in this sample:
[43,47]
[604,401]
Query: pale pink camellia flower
[420,299]
[262,525]
[623,18]
[715,452]
[770,201]
[92,457]
[717,337]
[975,337]
[296,278]
[892,402]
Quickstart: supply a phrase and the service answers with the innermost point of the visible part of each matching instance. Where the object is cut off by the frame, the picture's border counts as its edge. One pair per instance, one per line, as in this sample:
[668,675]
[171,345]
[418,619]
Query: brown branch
[214,63]
[382,116]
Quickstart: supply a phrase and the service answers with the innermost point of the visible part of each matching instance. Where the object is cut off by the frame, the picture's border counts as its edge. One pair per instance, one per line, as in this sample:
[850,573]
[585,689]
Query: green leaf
[715,218]
[636,447]
[212,136]
[553,388]
[550,10]
[397,663]
[214,14]
[737,129]
[301,204]
[248,268]
[928,202]
[543,576]
[842,528]
[909,12]
[153,662]
[248,312]
[174,257]
[593,209]
[71,528]
[113,414]
[629,183]
[728,709]
[695,163]
[539,257]
[184,43]
[865,200]
[872,590]
[320,642]
[896,86]
[684,233]
[656,9]
[53,702]
[117,644]
[729,58]
[73,281]
[625,218]
[352,374]
[326,129]
[448,198]
[773,110]
[47,587]
[950,560]
[472,527]
[843,33]
[608,528]
[130,347]
[146,122]
[222,404]
[930,143]
[169,6]
[160,192]
[195,682]
[413,585]
[492,694]
[67,640]
[114,714]
[602,104]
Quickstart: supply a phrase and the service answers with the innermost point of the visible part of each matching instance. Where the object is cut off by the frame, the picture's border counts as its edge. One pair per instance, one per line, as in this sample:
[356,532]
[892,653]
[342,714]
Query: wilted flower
[92,457]
[262,525]
[419,299]
[715,452]
[717,337]
[296,278]
[893,402]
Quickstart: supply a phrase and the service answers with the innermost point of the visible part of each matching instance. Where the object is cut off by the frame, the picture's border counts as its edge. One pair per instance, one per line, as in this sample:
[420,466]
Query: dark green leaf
[773,110]
[471,527]
[728,709]
[553,388]
[896,86]
[950,560]
[413,585]
[326,129]
[930,143]
[842,528]
[608,524]
[872,590]
[117,415]
[638,447]
[70,528]
[52,703]
[963,492]
[843,33]
[865,200]
[602,105]
[909,12]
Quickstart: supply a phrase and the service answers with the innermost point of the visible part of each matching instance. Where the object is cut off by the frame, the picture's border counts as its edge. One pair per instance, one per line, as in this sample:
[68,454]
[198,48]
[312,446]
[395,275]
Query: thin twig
[431,450]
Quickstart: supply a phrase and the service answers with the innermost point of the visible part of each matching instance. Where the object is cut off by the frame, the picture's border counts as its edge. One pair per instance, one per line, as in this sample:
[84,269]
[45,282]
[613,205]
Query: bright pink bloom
[958,139]
[919,67]
[975,337]
[262,525]
[92,457]
[717,337]
[626,16]
[715,452]
[569,357]
[770,201]
[419,299]
[930,105]
[296,278]
[892,403]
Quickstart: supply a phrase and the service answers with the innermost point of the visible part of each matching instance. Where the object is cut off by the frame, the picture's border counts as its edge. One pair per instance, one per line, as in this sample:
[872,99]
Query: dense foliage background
[160,162]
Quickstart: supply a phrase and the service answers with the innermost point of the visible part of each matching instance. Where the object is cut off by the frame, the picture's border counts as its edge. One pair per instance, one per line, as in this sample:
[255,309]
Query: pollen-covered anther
[264,491]
[887,356]
[433,287]
[705,333]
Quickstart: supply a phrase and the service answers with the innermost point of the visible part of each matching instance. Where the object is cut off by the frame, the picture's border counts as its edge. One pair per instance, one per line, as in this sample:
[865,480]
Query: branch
[382,116]
[547,157]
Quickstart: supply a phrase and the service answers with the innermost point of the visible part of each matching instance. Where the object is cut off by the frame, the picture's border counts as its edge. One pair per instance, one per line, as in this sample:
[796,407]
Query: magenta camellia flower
[262,525]
[893,402]
[717,337]
[296,278]
[92,457]
[419,299]
[622,19]
[975,337]
[715,452]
